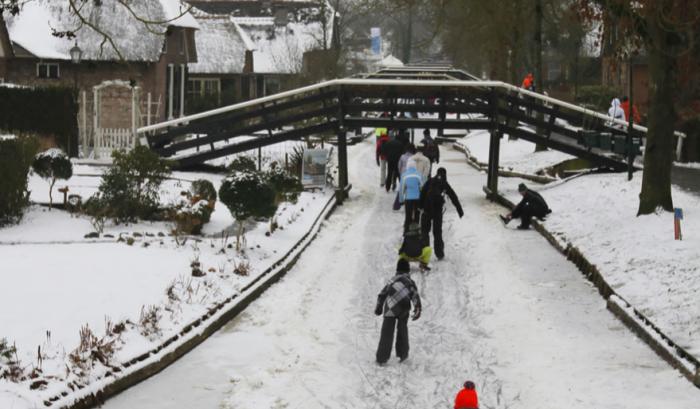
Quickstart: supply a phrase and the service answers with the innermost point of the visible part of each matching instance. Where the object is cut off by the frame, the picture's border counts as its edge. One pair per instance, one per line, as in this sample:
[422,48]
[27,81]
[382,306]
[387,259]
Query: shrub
[247,195]
[42,111]
[242,164]
[194,208]
[51,165]
[204,189]
[15,159]
[130,187]
[287,187]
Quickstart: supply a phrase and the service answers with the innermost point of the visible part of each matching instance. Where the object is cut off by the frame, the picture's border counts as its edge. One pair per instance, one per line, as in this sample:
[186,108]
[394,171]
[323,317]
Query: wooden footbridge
[412,97]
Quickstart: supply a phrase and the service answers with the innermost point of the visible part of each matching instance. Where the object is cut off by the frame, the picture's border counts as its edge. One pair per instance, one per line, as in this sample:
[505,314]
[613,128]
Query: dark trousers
[434,220]
[392,174]
[412,213]
[387,337]
[525,214]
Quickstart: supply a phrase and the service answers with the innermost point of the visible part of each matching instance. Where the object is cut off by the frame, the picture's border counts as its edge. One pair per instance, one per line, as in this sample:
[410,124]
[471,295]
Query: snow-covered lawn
[59,281]
[638,255]
[516,155]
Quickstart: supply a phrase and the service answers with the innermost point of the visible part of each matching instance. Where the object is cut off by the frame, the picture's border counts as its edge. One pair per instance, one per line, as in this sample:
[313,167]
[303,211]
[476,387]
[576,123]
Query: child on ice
[466,398]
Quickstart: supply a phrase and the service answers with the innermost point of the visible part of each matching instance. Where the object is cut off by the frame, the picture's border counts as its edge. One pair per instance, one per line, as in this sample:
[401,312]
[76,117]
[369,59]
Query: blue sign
[376,34]
[678,213]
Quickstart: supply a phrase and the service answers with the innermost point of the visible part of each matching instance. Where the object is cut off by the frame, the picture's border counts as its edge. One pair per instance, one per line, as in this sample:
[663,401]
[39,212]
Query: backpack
[412,242]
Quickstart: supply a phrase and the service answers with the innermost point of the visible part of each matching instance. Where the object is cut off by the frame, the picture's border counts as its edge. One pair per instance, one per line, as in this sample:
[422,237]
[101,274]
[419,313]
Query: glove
[378,310]
[461,214]
[378,162]
[416,313]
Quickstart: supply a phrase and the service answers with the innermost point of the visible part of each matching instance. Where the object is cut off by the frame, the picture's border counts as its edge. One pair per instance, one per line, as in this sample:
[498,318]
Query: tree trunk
[659,151]
[539,71]
[53,182]
[408,39]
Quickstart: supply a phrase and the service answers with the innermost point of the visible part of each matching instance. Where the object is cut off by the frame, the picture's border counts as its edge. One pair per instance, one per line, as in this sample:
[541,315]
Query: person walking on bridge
[616,112]
[432,202]
[532,205]
[528,82]
[394,301]
[392,149]
[625,105]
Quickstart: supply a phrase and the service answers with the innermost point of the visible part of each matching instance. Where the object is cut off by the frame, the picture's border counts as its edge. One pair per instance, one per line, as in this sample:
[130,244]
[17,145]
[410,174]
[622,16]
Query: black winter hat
[402,266]
[469,385]
[522,187]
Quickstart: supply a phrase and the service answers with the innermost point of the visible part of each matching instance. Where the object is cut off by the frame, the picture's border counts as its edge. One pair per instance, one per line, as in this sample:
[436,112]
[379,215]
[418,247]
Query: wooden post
[443,114]
[342,152]
[86,139]
[494,147]
[148,115]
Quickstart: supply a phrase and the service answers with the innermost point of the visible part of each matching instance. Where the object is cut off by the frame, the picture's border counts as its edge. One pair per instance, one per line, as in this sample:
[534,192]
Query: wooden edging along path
[637,322]
[170,350]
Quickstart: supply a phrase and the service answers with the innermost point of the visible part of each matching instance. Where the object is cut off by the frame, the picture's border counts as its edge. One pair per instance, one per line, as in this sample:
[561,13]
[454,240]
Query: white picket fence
[110,139]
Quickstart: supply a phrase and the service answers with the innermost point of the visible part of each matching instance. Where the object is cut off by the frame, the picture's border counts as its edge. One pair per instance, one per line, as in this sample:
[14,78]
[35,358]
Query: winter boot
[424,267]
[504,219]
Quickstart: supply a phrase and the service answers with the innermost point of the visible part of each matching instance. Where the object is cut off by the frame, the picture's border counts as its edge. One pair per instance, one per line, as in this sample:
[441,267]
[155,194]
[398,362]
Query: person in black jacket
[392,150]
[432,202]
[395,302]
[532,205]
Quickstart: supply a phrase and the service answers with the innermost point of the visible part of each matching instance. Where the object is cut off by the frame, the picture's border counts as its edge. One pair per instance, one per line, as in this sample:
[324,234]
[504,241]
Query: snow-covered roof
[220,48]
[279,48]
[32,28]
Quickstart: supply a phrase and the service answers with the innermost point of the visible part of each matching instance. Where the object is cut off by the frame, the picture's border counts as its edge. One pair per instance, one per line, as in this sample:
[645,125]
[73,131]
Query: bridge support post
[494,148]
[341,193]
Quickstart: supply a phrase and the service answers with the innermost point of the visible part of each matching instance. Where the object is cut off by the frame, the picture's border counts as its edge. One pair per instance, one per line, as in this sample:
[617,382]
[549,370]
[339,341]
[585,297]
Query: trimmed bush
[204,189]
[51,165]
[194,208]
[42,111]
[596,97]
[247,195]
[130,187]
[287,187]
[15,160]
[242,164]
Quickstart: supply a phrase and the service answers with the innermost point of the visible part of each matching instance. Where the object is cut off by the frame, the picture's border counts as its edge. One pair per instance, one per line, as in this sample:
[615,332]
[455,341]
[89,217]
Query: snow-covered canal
[502,309]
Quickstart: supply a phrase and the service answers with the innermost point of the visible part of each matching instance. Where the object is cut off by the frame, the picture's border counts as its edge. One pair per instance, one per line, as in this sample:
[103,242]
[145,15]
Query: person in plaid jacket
[395,302]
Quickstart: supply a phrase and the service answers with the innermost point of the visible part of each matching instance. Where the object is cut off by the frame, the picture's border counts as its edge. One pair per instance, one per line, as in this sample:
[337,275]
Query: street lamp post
[76,55]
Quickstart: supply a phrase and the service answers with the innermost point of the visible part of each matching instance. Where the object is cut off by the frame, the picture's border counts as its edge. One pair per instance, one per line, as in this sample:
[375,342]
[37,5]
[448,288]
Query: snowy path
[503,309]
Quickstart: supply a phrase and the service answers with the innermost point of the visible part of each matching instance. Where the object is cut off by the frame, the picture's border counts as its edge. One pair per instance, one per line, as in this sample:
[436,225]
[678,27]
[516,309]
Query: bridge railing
[331,105]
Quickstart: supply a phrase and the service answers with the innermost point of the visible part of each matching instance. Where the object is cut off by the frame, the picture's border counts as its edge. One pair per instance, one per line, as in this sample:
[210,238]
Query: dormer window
[48,70]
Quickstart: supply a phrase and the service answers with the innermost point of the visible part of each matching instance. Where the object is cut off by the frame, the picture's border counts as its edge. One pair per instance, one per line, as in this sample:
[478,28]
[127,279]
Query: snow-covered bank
[504,309]
[515,155]
[638,255]
[57,288]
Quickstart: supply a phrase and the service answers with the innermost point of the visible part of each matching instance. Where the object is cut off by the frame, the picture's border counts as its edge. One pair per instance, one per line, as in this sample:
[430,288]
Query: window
[47,70]
[203,87]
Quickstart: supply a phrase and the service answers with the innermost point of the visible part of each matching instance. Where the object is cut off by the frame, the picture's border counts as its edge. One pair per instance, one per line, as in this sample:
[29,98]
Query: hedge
[42,111]
[16,157]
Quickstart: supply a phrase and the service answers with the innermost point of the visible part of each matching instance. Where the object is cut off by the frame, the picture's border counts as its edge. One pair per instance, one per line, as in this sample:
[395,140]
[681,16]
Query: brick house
[249,49]
[113,90]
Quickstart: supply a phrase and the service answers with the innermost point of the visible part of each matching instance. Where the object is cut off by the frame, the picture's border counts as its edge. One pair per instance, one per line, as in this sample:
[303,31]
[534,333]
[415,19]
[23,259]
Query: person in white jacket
[422,164]
[616,112]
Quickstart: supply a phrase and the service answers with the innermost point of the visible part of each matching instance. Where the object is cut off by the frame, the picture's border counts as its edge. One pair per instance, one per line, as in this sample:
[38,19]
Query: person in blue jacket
[409,193]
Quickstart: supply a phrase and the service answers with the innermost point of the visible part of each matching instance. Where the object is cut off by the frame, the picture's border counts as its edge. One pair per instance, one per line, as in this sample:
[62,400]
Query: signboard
[313,168]
[376,34]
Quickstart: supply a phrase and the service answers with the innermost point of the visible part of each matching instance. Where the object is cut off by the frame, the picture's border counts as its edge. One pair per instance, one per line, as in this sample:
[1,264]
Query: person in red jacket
[466,398]
[529,82]
[625,105]
[381,158]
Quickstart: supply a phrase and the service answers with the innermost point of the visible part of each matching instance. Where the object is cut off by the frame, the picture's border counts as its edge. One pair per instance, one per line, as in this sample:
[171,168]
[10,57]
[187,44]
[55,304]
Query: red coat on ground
[625,105]
[467,399]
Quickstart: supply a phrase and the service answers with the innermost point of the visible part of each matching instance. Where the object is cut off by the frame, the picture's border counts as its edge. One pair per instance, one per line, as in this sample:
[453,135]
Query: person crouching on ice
[395,302]
[415,248]
[466,398]
[532,205]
